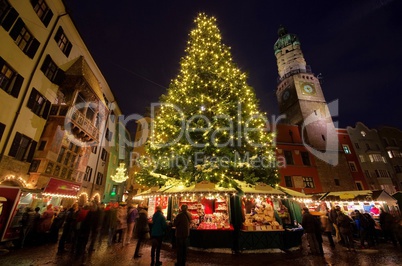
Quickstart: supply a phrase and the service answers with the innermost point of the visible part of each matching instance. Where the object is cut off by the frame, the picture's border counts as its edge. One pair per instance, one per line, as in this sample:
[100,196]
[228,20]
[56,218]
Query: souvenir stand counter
[266,219]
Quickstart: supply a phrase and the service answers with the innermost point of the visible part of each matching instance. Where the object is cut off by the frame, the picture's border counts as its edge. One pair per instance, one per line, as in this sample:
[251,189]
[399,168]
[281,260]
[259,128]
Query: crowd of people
[80,230]
[347,230]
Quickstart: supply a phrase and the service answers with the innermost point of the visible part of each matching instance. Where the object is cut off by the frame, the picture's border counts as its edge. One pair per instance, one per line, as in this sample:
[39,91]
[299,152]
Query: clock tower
[301,101]
[299,93]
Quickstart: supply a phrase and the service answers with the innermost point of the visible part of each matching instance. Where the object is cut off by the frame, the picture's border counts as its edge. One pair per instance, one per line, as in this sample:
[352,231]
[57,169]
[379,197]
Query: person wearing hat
[182,223]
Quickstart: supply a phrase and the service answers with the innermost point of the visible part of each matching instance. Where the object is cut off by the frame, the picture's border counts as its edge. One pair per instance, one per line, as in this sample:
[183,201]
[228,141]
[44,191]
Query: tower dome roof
[285,39]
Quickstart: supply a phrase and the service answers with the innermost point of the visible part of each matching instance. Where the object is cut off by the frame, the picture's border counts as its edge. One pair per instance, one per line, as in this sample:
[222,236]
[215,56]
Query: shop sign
[61,187]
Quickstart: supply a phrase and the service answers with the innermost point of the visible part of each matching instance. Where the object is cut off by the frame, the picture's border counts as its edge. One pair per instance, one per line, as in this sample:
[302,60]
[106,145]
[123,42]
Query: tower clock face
[308,88]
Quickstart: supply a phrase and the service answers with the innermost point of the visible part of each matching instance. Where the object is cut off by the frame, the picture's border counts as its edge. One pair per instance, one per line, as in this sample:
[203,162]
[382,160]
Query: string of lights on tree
[216,105]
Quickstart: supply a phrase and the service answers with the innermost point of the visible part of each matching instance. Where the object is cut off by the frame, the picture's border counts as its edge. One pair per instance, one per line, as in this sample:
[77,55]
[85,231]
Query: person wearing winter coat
[142,229]
[387,222]
[182,223]
[310,229]
[327,228]
[158,230]
[132,215]
[345,226]
[121,227]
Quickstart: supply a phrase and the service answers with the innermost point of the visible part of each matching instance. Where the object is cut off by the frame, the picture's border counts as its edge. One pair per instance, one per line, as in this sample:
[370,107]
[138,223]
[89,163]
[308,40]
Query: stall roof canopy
[293,193]
[258,189]
[345,195]
[178,187]
[382,195]
[61,188]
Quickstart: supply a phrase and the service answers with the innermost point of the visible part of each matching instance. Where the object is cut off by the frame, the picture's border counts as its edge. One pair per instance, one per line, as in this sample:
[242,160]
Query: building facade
[55,104]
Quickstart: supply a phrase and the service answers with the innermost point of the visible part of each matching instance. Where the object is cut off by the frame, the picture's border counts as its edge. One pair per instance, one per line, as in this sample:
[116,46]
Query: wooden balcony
[75,122]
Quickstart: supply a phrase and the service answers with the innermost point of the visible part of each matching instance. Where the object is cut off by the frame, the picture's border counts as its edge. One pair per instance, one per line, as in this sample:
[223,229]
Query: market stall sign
[61,188]
[347,196]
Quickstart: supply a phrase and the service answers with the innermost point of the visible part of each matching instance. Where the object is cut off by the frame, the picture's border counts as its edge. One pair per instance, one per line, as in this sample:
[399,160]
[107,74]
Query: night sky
[355,45]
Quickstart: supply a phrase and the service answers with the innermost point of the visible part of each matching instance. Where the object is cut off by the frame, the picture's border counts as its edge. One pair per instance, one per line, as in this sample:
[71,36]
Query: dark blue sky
[355,45]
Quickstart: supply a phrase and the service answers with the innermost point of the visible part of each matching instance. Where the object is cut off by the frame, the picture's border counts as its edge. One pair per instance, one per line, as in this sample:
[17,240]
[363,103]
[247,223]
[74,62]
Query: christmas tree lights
[209,126]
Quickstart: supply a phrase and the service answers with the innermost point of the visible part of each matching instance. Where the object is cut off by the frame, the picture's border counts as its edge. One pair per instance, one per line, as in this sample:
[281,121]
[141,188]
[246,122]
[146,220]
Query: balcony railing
[76,122]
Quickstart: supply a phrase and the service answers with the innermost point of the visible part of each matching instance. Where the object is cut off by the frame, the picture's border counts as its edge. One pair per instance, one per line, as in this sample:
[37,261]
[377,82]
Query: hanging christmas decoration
[120,175]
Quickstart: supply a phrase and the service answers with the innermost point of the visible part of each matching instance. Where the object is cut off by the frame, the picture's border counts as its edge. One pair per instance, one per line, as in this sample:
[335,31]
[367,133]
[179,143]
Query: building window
[352,167]
[62,41]
[67,158]
[305,158]
[359,186]
[88,174]
[38,104]
[99,178]
[368,146]
[52,71]
[346,149]
[362,159]
[42,10]
[308,182]
[375,158]
[94,149]
[2,127]
[63,172]
[367,173]
[56,170]
[73,160]
[10,81]
[49,168]
[398,169]
[289,157]
[42,145]
[24,39]
[104,154]
[357,145]
[288,181]
[381,173]
[337,182]
[109,135]
[61,154]
[22,148]
[34,166]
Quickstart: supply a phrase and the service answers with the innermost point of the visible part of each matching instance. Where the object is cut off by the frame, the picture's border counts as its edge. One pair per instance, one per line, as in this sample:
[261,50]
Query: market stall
[267,221]
[209,206]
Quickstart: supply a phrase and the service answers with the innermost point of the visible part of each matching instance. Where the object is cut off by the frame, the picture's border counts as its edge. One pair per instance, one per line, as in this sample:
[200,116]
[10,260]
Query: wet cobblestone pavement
[383,254]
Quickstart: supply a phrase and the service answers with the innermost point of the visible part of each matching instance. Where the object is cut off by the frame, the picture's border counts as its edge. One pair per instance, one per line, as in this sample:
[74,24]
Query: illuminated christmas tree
[208,125]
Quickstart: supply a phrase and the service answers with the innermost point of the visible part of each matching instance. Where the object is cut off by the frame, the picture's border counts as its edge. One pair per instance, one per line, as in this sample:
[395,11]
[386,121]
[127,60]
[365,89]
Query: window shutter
[17,29]
[33,47]
[59,77]
[68,49]
[34,3]
[48,17]
[2,127]
[58,34]
[17,85]
[31,151]
[15,145]
[45,64]
[32,98]
[2,62]
[9,19]
[45,114]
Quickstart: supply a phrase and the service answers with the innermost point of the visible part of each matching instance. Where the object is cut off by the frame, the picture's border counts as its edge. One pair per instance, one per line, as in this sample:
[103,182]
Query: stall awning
[345,195]
[262,189]
[61,188]
[293,193]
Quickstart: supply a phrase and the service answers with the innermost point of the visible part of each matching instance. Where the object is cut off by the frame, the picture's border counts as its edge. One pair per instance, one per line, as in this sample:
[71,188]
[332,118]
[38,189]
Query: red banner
[61,187]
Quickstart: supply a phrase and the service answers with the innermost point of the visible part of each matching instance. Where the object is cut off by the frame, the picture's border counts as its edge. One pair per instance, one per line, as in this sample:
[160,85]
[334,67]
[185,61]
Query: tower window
[323,137]
[289,157]
[346,149]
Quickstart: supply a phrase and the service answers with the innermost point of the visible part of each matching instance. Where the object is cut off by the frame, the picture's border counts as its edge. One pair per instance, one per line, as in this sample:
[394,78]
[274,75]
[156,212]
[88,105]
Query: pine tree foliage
[208,125]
